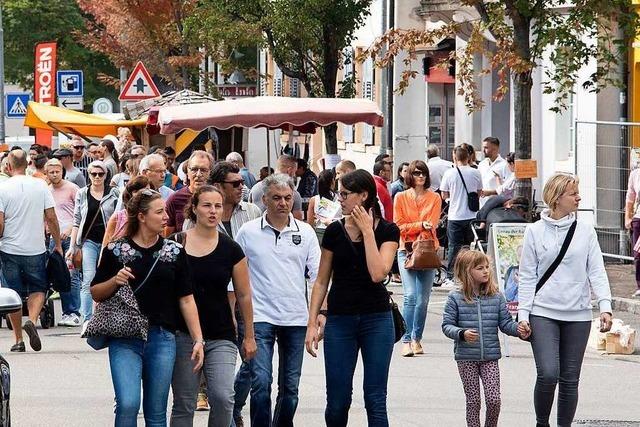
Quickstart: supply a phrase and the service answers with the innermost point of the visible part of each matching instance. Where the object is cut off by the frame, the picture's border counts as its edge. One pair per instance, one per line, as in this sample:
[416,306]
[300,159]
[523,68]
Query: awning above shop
[270,112]
[40,116]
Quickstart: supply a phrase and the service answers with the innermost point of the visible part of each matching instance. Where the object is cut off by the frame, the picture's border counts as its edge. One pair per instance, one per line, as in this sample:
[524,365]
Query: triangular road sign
[18,108]
[139,85]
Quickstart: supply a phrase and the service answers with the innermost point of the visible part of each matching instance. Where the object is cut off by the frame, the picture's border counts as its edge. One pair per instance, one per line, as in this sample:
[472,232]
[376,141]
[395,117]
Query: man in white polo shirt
[279,248]
[492,167]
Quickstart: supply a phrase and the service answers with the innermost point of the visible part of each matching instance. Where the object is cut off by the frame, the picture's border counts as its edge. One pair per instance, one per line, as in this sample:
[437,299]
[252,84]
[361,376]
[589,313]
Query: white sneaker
[449,284]
[64,320]
[73,320]
[636,294]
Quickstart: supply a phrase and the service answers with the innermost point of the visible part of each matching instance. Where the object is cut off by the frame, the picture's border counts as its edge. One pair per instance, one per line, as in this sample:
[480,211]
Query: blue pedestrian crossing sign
[70,83]
[16,105]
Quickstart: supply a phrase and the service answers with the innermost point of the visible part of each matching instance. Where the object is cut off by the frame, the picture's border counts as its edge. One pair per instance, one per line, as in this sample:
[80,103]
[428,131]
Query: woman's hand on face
[605,322]
[123,276]
[249,348]
[197,354]
[524,329]
[312,339]
[363,219]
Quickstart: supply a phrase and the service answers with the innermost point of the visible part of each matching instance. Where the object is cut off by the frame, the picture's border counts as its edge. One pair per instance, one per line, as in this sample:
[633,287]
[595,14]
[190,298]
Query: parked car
[10,302]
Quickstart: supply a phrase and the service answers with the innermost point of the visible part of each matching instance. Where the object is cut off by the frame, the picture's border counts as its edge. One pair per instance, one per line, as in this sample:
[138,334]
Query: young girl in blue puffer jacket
[471,318]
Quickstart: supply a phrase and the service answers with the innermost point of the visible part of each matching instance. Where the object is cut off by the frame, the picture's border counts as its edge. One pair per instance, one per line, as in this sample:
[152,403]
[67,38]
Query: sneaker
[417,347]
[449,284]
[407,351]
[63,320]
[73,320]
[32,332]
[18,347]
[55,295]
[202,403]
[636,294]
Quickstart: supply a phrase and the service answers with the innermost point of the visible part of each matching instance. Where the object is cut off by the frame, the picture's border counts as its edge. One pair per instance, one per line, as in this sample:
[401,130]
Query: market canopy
[270,112]
[40,116]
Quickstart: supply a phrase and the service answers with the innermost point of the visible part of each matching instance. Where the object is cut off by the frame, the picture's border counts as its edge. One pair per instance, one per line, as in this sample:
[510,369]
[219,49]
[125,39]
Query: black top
[211,275]
[353,291]
[96,233]
[168,282]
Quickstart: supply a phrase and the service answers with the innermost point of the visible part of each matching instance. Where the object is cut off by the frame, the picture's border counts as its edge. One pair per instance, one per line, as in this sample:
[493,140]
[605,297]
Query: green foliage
[28,22]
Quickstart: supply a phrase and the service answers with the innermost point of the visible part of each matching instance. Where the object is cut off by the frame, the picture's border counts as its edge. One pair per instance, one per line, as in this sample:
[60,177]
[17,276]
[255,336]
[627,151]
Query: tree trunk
[522,126]
[331,138]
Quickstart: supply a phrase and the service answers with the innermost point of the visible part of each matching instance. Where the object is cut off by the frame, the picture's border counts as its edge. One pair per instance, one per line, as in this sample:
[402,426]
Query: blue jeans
[242,385]
[290,352]
[70,300]
[416,286]
[90,255]
[459,234]
[133,361]
[373,335]
[25,274]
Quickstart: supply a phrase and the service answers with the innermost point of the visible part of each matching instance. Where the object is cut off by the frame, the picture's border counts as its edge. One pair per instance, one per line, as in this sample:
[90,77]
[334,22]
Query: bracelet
[199,342]
[322,313]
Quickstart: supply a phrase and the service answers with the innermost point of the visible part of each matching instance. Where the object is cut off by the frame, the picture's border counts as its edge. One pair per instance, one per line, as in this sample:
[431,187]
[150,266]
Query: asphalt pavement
[68,384]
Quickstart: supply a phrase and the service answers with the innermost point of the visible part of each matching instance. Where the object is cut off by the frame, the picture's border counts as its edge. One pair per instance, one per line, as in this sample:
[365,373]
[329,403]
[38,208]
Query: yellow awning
[40,116]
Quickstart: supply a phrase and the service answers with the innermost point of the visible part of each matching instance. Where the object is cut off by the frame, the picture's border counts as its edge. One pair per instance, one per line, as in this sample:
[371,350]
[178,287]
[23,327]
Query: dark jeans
[70,300]
[290,352]
[459,234]
[558,349]
[345,336]
[635,234]
[242,385]
[25,274]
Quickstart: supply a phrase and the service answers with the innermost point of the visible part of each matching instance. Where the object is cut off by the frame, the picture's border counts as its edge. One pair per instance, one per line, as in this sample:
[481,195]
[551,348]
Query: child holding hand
[471,318]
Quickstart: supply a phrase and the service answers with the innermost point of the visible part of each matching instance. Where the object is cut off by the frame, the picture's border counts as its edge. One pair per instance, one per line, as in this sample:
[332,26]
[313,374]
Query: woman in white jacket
[559,314]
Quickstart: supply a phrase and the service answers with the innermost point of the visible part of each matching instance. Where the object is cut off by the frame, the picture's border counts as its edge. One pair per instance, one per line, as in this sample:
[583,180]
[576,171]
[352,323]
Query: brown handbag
[422,255]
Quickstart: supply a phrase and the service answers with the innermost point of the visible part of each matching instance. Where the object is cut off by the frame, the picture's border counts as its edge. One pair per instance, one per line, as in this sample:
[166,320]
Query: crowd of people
[220,264]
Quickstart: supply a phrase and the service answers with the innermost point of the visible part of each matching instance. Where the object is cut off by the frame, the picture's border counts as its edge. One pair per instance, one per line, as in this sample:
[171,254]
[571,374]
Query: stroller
[496,214]
[47,314]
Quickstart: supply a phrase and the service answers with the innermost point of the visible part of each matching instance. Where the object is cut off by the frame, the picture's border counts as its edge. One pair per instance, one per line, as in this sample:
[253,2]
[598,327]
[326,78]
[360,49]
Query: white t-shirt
[437,168]
[23,200]
[452,184]
[488,170]
[277,263]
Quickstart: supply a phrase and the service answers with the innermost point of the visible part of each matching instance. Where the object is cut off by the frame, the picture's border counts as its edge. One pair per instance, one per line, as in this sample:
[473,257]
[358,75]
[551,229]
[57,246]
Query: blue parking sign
[70,83]
[16,105]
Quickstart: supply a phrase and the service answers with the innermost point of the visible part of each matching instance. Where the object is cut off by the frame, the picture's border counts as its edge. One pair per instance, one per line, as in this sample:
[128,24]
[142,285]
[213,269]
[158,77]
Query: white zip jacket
[567,294]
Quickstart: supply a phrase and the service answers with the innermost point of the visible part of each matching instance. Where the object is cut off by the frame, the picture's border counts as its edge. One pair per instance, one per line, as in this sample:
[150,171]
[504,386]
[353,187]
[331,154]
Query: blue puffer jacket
[485,314]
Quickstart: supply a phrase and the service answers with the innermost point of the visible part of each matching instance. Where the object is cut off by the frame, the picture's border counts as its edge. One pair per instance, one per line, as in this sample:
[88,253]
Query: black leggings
[558,349]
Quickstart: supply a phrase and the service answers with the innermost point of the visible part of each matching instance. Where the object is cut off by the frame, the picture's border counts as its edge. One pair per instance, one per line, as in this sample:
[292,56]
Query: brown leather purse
[422,255]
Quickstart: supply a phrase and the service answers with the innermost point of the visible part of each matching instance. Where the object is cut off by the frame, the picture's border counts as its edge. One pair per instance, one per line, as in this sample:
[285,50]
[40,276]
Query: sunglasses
[79,147]
[235,184]
[195,171]
[97,174]
[419,173]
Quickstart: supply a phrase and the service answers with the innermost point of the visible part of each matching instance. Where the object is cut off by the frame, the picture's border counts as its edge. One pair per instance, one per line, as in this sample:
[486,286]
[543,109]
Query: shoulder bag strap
[151,269]
[462,178]
[556,262]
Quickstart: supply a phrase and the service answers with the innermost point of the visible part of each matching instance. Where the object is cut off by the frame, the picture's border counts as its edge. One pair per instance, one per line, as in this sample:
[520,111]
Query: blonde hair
[466,261]
[556,186]
[53,163]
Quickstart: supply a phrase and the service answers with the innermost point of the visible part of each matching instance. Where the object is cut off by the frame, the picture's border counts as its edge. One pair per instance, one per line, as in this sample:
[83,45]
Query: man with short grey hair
[279,248]
[286,165]
[437,166]
[154,168]
[236,159]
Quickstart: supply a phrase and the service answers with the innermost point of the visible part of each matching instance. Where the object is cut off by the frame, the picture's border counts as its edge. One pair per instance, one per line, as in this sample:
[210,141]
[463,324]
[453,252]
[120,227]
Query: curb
[626,304]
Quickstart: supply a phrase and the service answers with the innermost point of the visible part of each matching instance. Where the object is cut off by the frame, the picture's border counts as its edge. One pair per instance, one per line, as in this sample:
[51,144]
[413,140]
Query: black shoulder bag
[399,325]
[556,262]
[472,198]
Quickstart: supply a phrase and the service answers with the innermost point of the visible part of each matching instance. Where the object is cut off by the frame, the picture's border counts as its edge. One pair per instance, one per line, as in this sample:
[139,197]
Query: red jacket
[385,197]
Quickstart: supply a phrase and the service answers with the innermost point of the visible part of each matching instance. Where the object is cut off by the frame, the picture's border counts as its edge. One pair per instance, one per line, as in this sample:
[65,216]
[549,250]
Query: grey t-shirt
[257,191]
[75,175]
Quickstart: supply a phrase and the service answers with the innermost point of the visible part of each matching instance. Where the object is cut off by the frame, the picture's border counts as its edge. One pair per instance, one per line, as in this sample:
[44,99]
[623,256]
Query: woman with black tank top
[357,254]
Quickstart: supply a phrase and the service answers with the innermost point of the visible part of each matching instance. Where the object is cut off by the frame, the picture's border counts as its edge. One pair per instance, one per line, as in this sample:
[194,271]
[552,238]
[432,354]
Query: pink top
[65,198]
[121,223]
[634,189]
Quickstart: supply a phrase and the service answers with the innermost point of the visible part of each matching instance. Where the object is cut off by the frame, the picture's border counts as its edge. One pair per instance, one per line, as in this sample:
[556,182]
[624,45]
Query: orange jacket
[408,214]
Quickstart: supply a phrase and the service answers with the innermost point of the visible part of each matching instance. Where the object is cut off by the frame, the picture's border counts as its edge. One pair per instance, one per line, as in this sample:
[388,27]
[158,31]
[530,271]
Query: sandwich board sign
[139,85]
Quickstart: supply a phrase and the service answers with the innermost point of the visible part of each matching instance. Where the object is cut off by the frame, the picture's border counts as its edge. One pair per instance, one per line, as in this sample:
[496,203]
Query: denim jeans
[373,335]
[133,361]
[242,385]
[90,255]
[290,353]
[25,274]
[416,286]
[70,300]
[219,369]
[459,234]
[558,349]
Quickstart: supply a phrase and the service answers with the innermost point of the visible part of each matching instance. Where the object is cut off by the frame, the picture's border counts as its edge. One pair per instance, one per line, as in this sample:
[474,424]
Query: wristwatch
[323,313]
[200,342]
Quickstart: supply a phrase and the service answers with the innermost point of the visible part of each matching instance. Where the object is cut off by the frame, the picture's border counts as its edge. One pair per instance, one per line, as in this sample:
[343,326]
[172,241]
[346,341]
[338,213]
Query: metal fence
[605,155]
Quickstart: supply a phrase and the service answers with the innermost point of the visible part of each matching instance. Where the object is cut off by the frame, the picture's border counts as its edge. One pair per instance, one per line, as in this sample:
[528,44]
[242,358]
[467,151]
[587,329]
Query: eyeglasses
[235,184]
[344,194]
[196,170]
[78,147]
[97,174]
[419,173]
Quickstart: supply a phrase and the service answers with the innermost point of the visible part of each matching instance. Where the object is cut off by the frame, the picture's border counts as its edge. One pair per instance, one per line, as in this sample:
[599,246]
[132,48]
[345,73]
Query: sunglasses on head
[235,184]
[97,174]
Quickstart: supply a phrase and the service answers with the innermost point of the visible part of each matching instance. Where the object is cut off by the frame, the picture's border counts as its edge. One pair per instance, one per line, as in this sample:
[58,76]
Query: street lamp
[2,131]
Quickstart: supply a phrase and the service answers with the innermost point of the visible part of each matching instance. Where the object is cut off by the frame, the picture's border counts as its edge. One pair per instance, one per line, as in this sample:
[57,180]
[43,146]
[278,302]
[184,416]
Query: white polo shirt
[277,263]
[488,170]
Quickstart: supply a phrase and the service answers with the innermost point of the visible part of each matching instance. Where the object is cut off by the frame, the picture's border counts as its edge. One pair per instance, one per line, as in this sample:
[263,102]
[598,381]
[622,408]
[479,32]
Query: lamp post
[2,130]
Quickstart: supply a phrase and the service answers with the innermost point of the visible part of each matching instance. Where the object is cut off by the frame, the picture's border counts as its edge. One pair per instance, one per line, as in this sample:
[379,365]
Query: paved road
[68,384]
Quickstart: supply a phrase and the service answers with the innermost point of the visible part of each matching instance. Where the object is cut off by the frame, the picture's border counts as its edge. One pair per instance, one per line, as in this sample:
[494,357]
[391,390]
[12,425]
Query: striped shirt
[82,164]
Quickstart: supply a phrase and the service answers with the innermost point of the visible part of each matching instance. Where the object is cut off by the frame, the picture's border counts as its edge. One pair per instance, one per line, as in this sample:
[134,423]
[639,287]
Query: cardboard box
[614,347]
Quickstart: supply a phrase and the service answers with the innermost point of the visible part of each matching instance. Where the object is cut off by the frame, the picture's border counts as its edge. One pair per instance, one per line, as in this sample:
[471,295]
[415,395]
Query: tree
[525,32]
[152,31]
[305,37]
[28,22]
